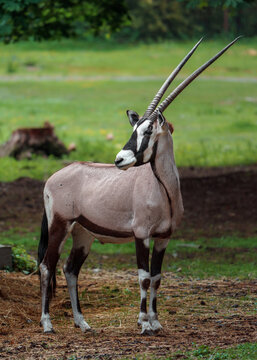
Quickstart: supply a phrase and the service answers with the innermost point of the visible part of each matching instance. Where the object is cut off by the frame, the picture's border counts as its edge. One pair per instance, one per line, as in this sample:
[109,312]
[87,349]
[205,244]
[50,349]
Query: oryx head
[141,146]
[146,130]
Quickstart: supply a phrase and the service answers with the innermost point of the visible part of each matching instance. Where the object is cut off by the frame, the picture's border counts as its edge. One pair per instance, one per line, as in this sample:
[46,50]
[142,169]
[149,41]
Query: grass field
[214,119]
[231,257]
[96,58]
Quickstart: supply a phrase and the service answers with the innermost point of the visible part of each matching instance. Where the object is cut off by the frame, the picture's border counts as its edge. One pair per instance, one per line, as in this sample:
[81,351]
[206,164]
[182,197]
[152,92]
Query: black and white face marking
[140,147]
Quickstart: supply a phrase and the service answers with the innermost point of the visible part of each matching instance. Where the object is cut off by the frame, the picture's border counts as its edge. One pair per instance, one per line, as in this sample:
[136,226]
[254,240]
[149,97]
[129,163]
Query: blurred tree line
[164,19]
[130,20]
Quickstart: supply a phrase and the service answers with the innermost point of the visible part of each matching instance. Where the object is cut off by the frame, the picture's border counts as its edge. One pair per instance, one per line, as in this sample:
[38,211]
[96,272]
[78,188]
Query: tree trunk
[27,141]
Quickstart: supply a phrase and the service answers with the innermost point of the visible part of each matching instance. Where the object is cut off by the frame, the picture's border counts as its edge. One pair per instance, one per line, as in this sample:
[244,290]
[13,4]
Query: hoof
[147,332]
[49,331]
[157,331]
[155,326]
[83,326]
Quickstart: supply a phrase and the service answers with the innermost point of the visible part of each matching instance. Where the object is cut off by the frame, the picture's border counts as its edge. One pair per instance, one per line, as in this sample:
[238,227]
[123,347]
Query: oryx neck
[163,165]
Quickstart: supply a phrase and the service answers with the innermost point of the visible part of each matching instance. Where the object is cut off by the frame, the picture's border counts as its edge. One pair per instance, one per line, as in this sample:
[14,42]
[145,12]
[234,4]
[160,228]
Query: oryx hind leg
[142,252]
[56,233]
[82,242]
[156,265]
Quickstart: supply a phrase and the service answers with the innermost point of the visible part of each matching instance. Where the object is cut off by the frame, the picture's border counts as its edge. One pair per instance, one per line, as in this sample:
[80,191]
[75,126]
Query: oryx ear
[133,117]
[161,119]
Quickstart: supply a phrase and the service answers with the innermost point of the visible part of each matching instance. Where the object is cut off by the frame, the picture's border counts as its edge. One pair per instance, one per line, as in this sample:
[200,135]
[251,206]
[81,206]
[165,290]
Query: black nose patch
[117,162]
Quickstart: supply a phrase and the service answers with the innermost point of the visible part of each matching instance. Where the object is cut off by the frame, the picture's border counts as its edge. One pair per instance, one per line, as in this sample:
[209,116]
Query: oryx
[102,201]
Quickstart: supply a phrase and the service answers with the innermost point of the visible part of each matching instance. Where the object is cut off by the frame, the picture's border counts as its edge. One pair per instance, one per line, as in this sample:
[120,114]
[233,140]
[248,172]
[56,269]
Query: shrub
[22,261]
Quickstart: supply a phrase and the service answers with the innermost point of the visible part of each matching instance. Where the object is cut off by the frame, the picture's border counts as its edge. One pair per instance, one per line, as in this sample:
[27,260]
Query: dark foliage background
[165,19]
[130,20]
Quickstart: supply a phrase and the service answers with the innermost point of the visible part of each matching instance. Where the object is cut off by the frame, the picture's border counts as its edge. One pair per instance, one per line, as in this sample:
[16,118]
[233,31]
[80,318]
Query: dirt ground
[218,201]
[215,313]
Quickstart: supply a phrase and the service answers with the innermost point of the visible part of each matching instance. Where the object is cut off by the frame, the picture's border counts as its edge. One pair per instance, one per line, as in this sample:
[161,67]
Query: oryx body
[102,201]
[134,205]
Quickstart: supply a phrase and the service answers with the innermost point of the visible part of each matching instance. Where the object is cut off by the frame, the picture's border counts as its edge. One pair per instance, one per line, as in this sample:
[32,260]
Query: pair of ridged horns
[152,110]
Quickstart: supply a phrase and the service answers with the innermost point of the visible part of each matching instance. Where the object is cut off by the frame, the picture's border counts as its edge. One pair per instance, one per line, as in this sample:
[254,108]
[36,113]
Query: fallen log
[25,142]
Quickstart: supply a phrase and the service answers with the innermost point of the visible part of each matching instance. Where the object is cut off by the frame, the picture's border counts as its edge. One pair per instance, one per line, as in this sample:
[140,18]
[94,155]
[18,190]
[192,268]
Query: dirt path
[218,202]
[118,78]
[214,313]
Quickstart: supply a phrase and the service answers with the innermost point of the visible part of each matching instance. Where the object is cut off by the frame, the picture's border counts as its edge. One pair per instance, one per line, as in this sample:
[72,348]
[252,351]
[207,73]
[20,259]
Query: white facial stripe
[140,132]
[139,140]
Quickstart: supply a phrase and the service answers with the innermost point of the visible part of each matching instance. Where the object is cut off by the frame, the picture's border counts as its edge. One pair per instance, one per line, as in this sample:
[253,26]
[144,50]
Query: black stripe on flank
[100,230]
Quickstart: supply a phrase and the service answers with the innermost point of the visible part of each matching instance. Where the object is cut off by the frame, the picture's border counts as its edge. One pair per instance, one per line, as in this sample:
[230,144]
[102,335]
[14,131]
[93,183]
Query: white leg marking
[146,242]
[143,318]
[153,316]
[45,317]
[46,323]
[72,286]
[143,275]
[146,328]
[81,240]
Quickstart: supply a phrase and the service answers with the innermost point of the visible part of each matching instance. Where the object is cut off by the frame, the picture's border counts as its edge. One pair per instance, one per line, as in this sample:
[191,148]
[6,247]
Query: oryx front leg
[142,252]
[82,242]
[156,265]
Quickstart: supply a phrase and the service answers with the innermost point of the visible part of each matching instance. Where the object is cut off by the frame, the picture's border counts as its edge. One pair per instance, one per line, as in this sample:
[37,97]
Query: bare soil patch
[217,201]
[214,313]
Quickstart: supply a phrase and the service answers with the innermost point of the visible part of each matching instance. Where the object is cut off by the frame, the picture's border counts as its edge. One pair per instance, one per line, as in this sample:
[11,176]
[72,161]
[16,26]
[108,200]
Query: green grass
[215,122]
[241,352]
[245,351]
[112,59]
[230,257]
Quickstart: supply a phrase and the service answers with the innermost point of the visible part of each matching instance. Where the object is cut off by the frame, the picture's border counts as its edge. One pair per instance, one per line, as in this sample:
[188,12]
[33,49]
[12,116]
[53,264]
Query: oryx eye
[149,130]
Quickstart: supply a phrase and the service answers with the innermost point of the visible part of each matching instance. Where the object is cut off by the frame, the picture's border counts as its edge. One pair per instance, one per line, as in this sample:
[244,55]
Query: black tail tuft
[43,244]
[42,248]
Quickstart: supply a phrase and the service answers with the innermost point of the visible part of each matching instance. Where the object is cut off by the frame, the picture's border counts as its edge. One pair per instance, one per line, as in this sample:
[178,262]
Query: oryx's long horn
[167,83]
[188,80]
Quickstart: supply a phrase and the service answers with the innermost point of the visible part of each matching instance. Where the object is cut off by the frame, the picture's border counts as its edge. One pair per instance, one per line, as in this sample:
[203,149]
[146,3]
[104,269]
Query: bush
[22,261]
